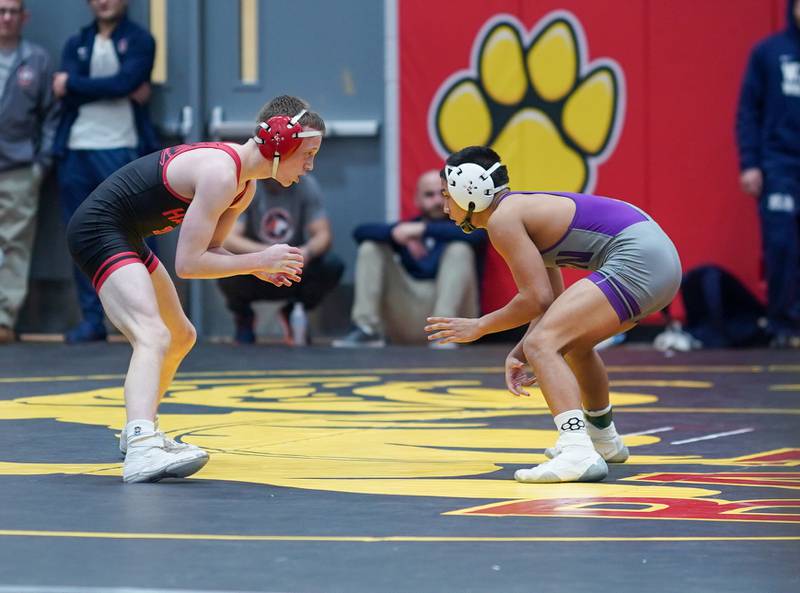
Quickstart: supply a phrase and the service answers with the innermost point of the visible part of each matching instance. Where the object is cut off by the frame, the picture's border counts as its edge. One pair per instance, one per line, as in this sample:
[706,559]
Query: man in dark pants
[29,116]
[104,85]
[768,136]
[294,215]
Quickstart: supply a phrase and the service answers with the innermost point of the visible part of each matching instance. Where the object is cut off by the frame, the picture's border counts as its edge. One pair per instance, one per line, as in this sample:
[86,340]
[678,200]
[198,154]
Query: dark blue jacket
[136,50]
[768,118]
[437,235]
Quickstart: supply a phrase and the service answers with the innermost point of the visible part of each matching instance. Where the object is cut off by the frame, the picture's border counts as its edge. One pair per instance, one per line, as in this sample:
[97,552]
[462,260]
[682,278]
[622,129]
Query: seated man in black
[294,215]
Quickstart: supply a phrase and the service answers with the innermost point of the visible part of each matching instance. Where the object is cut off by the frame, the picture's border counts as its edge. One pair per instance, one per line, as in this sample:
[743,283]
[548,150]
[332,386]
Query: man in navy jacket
[104,86]
[408,271]
[768,136]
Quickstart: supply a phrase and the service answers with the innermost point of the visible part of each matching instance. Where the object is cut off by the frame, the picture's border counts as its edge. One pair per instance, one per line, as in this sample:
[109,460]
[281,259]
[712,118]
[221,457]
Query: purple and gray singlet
[632,260]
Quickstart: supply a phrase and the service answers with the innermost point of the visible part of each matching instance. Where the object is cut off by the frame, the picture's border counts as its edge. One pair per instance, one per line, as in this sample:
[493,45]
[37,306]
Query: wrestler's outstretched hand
[517,376]
[452,329]
[282,259]
[278,279]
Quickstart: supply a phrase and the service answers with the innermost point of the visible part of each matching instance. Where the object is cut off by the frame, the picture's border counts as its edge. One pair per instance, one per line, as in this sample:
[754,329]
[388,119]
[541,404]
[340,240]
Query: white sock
[139,428]
[599,424]
[572,430]
[570,422]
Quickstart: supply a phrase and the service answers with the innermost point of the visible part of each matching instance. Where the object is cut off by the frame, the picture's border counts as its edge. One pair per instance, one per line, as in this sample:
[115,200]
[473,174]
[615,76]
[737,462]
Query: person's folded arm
[445,230]
[373,231]
[134,70]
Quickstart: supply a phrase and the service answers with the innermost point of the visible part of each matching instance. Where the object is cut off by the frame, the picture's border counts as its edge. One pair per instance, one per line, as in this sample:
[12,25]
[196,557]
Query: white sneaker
[150,458]
[613,450]
[169,442]
[577,461]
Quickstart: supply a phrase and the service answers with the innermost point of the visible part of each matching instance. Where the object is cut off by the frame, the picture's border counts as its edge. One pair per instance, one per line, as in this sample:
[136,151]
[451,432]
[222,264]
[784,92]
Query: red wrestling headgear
[281,136]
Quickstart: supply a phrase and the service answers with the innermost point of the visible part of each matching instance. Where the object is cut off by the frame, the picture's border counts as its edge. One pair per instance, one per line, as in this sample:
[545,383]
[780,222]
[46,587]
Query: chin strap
[466,224]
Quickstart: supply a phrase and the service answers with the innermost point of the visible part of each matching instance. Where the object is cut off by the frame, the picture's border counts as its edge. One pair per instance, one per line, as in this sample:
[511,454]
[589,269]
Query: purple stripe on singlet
[626,294]
[601,215]
[611,295]
[594,213]
[618,296]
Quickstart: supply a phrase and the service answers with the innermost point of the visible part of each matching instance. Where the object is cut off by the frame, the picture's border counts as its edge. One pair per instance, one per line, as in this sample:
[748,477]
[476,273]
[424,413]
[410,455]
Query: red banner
[632,100]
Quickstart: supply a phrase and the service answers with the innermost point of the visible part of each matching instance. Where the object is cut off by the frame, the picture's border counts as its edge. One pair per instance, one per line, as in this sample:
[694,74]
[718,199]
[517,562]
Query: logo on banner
[535,98]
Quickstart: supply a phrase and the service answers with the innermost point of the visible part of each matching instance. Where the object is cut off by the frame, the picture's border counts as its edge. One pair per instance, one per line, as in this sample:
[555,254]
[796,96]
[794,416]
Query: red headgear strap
[280,136]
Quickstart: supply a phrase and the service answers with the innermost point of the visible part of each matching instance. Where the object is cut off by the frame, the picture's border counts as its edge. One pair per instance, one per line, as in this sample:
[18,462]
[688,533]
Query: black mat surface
[392,470]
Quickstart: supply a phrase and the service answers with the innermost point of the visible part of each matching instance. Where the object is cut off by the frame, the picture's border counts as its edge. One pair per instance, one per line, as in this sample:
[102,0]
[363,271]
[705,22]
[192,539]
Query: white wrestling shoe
[576,461]
[612,449]
[149,458]
[170,443]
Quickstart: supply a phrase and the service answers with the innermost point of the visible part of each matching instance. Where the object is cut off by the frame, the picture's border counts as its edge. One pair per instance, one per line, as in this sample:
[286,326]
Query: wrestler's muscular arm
[229,222]
[534,292]
[510,239]
[209,219]
[557,284]
[516,374]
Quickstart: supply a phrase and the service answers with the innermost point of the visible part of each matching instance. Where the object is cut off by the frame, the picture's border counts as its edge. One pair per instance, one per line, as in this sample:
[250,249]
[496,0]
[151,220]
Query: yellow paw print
[535,100]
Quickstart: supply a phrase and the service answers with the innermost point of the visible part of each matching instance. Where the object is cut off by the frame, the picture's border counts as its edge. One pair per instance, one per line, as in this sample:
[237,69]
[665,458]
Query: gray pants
[389,300]
[19,201]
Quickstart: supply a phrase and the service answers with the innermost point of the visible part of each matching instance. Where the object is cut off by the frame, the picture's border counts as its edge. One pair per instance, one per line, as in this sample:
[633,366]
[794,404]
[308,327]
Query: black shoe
[85,332]
[359,337]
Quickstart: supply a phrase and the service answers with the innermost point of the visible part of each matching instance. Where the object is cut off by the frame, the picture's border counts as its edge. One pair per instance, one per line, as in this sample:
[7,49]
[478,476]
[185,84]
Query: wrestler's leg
[130,302]
[181,330]
[592,378]
[577,320]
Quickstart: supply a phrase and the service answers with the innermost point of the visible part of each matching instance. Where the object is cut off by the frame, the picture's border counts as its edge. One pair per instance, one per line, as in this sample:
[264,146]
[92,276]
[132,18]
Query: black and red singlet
[136,202]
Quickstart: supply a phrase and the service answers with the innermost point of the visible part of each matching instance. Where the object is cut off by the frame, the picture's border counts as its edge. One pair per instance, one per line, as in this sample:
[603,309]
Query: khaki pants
[19,201]
[389,300]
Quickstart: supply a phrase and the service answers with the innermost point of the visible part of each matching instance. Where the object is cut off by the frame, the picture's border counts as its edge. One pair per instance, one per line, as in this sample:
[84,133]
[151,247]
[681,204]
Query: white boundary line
[713,436]
[651,431]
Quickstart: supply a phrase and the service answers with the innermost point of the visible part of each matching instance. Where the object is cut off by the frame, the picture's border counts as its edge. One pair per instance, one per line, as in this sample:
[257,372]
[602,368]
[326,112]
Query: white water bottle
[299,324]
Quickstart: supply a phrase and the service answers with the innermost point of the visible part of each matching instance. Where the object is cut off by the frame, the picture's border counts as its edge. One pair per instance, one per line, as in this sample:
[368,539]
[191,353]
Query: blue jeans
[79,173]
[779,209]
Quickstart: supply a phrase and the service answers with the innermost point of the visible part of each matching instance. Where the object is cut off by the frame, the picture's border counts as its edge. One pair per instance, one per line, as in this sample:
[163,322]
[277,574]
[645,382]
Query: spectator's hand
[751,181]
[276,279]
[416,248]
[406,231]
[282,259]
[60,84]
[452,329]
[142,93]
[517,377]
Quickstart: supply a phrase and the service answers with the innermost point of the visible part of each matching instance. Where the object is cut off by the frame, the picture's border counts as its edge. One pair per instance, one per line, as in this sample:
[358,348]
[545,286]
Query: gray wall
[330,53]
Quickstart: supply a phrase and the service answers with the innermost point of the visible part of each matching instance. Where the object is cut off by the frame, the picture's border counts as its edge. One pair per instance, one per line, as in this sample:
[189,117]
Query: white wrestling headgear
[472,188]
